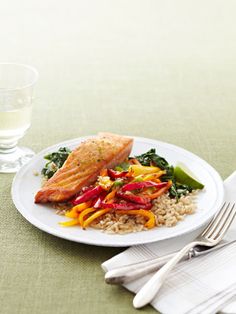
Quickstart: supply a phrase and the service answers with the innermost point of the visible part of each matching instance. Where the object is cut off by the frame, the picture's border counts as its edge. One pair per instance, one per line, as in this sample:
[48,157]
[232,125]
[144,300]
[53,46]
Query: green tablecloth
[147,68]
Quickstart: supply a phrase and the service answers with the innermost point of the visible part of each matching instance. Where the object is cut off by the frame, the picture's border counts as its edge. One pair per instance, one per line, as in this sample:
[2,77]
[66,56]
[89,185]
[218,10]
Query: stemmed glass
[16,93]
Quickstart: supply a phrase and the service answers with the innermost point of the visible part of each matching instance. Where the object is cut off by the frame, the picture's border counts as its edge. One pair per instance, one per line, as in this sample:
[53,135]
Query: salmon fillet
[83,165]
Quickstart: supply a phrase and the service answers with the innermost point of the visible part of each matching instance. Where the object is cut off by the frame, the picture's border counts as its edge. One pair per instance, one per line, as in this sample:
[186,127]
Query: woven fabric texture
[162,70]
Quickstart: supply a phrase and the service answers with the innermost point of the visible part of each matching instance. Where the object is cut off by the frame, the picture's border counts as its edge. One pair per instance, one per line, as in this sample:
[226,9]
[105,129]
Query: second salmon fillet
[83,166]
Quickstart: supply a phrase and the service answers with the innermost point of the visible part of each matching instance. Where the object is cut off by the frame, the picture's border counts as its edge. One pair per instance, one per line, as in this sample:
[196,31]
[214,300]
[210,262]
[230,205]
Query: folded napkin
[203,285]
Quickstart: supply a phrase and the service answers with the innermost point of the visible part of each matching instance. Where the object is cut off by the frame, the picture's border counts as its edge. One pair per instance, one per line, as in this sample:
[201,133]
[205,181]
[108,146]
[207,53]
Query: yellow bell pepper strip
[79,208]
[154,176]
[142,212]
[74,212]
[69,223]
[161,191]
[138,178]
[95,215]
[84,213]
[139,169]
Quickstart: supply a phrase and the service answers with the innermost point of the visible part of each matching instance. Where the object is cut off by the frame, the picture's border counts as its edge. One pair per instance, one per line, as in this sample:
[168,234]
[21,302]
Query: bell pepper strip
[74,212]
[142,212]
[95,215]
[87,188]
[83,190]
[89,195]
[96,202]
[69,223]
[84,213]
[154,176]
[157,180]
[139,169]
[138,178]
[79,208]
[116,174]
[161,191]
[111,195]
[103,172]
[126,205]
[134,198]
[140,185]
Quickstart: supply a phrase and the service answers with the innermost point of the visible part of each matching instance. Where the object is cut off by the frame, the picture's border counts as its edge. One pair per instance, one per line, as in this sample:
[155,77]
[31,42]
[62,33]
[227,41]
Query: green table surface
[158,69]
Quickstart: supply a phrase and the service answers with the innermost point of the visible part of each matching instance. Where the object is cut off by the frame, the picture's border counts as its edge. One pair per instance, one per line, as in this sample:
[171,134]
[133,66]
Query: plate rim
[42,226]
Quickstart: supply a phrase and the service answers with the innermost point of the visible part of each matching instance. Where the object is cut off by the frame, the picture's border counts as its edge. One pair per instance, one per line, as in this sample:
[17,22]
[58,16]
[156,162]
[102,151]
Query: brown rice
[167,211]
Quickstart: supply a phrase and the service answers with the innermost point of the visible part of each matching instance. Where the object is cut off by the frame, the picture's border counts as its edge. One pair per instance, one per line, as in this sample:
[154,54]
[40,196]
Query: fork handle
[147,293]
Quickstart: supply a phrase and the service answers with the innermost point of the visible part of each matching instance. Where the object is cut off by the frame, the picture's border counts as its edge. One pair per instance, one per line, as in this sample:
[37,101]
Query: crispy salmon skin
[83,165]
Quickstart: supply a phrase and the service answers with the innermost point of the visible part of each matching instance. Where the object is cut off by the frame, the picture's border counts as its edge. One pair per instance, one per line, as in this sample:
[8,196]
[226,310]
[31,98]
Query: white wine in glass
[16,94]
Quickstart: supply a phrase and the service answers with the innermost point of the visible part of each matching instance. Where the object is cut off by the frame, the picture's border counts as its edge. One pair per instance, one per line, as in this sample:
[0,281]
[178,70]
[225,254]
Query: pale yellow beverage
[13,124]
[16,99]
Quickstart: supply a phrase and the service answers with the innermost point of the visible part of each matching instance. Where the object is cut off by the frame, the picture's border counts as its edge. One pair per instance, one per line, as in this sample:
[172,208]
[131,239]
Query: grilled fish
[83,165]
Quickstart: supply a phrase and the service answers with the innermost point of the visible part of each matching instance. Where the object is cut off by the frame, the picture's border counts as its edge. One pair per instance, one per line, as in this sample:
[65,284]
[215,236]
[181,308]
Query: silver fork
[210,236]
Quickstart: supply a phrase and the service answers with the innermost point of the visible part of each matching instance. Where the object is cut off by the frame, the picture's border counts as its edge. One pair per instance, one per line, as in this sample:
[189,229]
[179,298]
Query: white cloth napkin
[199,286]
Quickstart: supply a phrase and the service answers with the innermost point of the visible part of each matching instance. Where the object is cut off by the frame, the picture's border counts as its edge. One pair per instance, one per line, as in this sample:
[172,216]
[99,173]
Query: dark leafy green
[56,161]
[150,157]
[177,190]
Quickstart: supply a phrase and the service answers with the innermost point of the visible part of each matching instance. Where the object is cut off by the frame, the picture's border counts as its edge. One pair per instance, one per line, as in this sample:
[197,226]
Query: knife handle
[127,273]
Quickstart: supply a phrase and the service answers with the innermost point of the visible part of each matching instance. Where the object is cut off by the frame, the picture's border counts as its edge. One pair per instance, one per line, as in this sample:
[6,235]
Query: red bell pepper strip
[89,195]
[126,205]
[87,188]
[97,202]
[141,185]
[134,198]
[83,190]
[116,174]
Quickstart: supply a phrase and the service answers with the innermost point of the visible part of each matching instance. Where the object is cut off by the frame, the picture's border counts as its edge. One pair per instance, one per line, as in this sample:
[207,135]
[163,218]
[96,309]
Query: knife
[127,273]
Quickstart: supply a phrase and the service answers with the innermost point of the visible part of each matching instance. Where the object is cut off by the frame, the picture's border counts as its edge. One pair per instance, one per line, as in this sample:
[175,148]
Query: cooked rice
[62,208]
[167,211]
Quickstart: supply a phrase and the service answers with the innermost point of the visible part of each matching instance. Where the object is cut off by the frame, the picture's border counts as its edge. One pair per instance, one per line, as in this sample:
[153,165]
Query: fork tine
[219,222]
[217,227]
[216,219]
[220,231]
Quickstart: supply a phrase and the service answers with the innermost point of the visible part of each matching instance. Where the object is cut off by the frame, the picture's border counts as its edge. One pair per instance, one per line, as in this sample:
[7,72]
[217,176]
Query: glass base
[12,162]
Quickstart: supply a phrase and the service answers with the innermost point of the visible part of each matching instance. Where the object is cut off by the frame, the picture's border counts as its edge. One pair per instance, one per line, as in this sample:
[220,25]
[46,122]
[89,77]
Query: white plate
[25,185]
